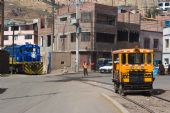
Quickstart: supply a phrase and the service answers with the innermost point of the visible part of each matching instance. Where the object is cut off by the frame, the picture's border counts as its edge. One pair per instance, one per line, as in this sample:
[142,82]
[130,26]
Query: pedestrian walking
[85,68]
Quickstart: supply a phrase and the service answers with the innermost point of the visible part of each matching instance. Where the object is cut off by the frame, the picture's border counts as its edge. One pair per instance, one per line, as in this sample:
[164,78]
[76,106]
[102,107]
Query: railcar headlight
[137,67]
[131,67]
[142,67]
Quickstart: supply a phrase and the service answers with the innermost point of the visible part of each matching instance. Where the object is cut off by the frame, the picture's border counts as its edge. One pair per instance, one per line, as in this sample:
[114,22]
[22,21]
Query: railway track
[109,87]
[161,98]
[146,108]
[123,97]
[140,105]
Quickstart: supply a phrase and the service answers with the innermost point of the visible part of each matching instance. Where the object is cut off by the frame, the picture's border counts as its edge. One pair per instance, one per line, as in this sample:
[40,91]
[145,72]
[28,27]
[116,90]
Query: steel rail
[161,98]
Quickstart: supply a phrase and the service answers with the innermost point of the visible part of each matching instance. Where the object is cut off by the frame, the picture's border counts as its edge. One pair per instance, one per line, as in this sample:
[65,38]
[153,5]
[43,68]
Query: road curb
[116,104]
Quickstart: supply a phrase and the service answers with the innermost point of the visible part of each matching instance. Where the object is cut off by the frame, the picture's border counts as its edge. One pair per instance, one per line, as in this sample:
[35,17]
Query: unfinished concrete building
[140,5]
[128,29]
[99,31]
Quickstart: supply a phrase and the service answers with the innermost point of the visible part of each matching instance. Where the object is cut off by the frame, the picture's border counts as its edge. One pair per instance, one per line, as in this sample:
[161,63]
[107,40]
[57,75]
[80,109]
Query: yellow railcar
[132,70]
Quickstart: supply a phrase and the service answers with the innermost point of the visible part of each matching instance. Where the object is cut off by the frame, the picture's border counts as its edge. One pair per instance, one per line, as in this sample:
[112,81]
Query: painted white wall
[21,37]
[152,35]
[166,50]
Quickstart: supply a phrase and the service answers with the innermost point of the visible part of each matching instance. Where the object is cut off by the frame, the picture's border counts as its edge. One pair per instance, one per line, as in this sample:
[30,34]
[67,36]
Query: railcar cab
[132,70]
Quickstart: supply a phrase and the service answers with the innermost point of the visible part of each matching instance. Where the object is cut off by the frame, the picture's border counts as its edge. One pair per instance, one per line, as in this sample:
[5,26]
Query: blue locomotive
[26,58]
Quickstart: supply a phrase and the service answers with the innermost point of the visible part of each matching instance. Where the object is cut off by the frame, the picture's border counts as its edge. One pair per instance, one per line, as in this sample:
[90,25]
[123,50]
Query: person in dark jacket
[169,69]
[161,69]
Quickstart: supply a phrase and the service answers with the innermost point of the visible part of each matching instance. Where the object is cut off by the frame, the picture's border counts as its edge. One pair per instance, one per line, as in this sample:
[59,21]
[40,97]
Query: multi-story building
[141,5]
[152,40]
[26,33]
[164,5]
[128,29]
[100,31]
[166,45]
[1,22]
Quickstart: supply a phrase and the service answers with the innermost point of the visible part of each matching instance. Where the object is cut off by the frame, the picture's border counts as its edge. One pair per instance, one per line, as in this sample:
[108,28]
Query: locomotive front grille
[136,76]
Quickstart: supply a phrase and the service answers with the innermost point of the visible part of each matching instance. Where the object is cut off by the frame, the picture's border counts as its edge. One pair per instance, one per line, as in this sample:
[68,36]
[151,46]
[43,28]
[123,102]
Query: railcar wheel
[148,93]
[115,88]
[121,90]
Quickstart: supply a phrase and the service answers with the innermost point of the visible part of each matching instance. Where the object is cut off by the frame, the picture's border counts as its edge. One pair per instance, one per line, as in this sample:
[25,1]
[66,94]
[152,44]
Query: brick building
[141,5]
[100,31]
[1,22]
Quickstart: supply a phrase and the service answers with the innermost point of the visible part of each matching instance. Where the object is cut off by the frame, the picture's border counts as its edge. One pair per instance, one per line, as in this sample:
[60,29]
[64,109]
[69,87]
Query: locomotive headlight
[17,58]
[33,55]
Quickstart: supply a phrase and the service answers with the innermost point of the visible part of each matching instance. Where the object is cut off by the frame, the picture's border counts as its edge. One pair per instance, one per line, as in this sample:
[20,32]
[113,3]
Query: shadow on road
[2,90]
[158,91]
[87,78]
[26,96]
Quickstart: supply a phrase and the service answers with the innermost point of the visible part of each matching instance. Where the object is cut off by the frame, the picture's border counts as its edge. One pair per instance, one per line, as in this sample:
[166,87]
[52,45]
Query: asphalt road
[54,94]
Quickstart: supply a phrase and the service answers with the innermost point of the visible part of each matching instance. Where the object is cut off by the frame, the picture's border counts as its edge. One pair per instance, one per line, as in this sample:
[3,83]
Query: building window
[134,37]
[146,43]
[5,28]
[48,40]
[28,36]
[166,43]
[106,19]
[63,19]
[86,17]
[85,36]
[166,4]
[6,37]
[73,15]
[166,60]
[105,38]
[73,37]
[15,37]
[42,22]
[155,43]
[27,27]
[160,4]
[122,36]
[15,28]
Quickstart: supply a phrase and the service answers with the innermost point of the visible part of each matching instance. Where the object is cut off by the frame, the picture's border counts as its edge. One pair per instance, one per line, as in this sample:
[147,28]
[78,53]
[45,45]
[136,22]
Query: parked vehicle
[133,70]
[102,62]
[107,68]
[25,59]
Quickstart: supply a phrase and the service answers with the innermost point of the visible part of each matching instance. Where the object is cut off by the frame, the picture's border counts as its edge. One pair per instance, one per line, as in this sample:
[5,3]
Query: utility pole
[77,36]
[54,6]
[2,23]
[53,26]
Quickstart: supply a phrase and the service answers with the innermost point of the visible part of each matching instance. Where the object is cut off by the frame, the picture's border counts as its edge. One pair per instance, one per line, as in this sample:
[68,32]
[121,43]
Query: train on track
[25,59]
[133,70]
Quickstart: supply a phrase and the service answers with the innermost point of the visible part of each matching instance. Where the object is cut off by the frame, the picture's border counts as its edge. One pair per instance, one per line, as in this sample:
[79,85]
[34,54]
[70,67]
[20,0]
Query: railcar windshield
[136,58]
